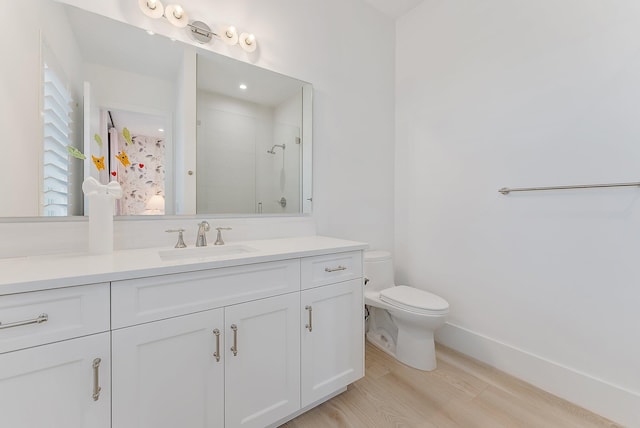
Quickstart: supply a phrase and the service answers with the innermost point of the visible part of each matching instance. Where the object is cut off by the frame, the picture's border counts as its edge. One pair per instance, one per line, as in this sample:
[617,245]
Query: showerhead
[273,152]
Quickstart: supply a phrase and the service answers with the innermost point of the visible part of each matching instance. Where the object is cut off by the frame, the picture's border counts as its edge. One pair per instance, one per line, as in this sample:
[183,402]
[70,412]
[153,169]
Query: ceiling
[394,8]
[114,44]
[222,75]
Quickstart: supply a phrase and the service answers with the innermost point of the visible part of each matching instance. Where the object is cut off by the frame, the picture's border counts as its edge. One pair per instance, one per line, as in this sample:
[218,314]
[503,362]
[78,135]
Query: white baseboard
[611,401]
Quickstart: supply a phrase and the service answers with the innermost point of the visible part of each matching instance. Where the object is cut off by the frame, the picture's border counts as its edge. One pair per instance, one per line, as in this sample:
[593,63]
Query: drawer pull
[217,353]
[41,318]
[96,379]
[234,348]
[336,269]
[309,326]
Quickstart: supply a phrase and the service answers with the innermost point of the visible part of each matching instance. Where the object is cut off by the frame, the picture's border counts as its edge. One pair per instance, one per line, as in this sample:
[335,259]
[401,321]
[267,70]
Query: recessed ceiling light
[243,86]
[149,32]
[160,130]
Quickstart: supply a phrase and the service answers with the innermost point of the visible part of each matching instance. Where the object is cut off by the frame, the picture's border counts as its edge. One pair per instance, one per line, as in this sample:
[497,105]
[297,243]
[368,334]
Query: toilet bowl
[402,320]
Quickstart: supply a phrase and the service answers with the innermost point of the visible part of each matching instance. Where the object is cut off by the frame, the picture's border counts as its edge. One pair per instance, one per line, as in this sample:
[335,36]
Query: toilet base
[405,336]
[419,354]
[416,349]
[381,340]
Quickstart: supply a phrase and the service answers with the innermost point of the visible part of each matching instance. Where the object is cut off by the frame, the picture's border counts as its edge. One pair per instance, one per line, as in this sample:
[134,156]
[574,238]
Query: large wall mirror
[184,130]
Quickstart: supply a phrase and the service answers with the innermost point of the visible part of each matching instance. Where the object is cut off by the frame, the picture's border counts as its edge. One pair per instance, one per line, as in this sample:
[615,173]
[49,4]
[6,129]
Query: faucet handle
[219,240]
[180,243]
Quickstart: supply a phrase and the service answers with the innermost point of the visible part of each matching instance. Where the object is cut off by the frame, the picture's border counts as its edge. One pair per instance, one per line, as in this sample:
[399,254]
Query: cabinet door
[165,373]
[262,379]
[332,338]
[53,385]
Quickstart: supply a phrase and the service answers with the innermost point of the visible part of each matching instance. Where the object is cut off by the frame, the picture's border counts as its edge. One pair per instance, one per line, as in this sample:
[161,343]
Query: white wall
[230,132]
[186,134]
[123,90]
[500,93]
[352,72]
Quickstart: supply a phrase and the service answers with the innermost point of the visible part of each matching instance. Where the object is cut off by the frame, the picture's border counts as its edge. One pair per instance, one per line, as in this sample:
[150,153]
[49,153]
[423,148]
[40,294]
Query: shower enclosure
[239,168]
[249,151]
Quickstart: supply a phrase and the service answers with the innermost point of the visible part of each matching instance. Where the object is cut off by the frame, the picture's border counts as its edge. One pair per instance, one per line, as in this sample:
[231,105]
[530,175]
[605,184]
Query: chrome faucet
[180,243]
[219,240]
[201,239]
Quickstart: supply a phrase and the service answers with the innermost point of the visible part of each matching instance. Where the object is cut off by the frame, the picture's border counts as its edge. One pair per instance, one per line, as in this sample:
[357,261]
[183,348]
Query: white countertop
[22,274]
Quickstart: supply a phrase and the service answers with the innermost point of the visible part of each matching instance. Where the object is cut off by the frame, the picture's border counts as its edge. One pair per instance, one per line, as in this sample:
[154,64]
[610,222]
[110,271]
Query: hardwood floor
[461,393]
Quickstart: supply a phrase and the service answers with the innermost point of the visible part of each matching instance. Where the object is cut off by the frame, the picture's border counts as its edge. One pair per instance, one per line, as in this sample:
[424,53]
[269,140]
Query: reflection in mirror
[137,150]
[84,95]
[250,139]
[130,91]
[40,111]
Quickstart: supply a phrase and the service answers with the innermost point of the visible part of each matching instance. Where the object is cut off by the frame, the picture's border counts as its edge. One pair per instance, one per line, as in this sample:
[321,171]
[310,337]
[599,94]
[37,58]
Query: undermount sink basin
[204,253]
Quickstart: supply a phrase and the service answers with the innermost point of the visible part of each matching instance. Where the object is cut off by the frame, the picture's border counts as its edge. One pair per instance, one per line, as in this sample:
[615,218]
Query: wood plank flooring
[460,393]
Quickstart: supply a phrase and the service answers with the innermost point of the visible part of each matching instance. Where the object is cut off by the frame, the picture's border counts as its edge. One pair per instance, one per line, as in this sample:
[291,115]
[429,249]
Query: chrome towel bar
[507,190]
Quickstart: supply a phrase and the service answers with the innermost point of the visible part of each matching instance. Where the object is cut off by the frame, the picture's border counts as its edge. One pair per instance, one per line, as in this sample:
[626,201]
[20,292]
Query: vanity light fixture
[151,8]
[230,35]
[200,31]
[176,15]
[248,42]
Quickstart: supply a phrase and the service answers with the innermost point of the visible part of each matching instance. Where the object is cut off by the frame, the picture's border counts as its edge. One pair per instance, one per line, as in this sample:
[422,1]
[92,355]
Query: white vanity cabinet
[186,353]
[237,366]
[61,385]
[332,339]
[262,378]
[50,377]
[167,373]
[333,321]
[235,344]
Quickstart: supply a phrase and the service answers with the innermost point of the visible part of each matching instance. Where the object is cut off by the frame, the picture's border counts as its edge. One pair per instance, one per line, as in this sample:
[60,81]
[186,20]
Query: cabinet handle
[217,353]
[310,324]
[39,320]
[234,348]
[96,379]
[335,269]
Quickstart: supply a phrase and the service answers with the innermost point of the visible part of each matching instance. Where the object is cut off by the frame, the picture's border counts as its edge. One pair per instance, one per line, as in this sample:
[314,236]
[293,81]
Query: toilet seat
[414,300]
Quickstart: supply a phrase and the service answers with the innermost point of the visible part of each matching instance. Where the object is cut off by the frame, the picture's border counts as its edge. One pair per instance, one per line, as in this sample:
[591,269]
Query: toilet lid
[414,300]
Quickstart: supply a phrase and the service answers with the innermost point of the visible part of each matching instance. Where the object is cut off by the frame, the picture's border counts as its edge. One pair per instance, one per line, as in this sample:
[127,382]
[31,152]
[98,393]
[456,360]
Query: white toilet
[402,320]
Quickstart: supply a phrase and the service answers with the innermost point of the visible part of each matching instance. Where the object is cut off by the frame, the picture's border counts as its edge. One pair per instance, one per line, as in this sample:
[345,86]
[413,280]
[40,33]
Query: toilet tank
[378,269]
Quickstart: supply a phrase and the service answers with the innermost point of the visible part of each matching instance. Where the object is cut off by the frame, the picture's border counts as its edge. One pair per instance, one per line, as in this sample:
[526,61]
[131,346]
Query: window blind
[57,123]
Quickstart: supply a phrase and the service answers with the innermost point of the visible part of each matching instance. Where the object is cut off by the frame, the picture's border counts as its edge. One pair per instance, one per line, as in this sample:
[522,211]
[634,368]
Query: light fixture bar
[200,31]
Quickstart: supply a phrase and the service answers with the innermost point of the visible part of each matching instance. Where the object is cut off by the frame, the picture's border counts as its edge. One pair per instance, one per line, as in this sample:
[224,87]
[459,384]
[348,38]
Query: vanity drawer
[143,300]
[322,270]
[39,317]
